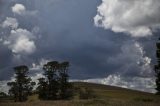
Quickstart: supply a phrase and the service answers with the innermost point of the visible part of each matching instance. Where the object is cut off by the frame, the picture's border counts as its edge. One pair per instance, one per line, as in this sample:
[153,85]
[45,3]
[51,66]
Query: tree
[157,68]
[51,79]
[3,94]
[13,91]
[55,83]
[65,86]
[22,87]
[42,88]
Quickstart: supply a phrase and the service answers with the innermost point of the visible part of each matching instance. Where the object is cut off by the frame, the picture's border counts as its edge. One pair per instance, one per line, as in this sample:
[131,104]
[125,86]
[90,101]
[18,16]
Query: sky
[106,41]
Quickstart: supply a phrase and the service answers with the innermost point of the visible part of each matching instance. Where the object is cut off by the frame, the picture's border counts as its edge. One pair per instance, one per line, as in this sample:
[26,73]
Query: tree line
[54,85]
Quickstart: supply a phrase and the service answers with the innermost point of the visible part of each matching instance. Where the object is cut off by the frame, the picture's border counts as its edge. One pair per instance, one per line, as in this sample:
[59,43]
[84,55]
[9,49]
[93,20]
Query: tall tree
[157,68]
[51,77]
[22,87]
[13,91]
[42,88]
[55,83]
[63,80]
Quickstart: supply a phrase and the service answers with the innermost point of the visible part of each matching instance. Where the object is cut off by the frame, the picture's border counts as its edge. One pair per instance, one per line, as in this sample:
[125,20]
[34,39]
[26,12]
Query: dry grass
[83,103]
[105,96]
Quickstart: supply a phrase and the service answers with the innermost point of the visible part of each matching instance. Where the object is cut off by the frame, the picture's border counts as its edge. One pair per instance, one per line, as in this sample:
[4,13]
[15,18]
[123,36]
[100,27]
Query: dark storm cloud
[64,30]
[6,59]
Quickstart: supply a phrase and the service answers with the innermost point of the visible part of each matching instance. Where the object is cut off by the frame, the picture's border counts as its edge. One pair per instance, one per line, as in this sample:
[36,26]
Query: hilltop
[104,96]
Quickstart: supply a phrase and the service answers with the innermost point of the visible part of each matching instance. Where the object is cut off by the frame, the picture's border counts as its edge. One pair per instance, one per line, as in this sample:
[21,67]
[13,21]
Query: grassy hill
[104,96]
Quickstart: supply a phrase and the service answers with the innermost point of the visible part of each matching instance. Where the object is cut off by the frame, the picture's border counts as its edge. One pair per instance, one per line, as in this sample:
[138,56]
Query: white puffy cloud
[19,9]
[138,18]
[20,41]
[10,22]
[39,66]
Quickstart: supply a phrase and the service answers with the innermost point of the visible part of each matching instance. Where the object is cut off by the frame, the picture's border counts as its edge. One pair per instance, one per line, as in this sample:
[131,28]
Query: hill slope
[121,96]
[104,96]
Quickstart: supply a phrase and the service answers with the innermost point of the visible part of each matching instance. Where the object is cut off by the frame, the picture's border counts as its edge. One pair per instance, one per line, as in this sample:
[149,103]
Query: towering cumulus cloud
[136,17]
[20,40]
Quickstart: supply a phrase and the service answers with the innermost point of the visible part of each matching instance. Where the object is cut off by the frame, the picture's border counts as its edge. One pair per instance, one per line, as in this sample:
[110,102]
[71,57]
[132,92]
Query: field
[104,96]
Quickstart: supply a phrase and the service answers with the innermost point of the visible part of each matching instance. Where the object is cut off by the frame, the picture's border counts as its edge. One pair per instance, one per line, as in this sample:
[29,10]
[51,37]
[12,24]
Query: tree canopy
[157,68]
[22,87]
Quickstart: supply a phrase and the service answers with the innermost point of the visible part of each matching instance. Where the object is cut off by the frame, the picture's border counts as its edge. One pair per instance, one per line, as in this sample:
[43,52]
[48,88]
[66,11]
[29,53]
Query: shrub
[86,93]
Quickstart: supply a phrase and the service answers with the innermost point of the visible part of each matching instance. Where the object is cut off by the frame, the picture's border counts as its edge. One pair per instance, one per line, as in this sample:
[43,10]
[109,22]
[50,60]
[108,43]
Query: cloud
[3,86]
[68,34]
[139,18]
[20,41]
[19,9]
[137,83]
[132,60]
[10,22]
[37,68]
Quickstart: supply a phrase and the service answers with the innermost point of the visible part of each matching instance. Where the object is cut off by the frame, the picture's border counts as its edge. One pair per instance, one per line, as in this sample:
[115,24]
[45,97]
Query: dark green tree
[13,91]
[22,87]
[3,94]
[51,79]
[42,88]
[55,84]
[157,68]
[64,85]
